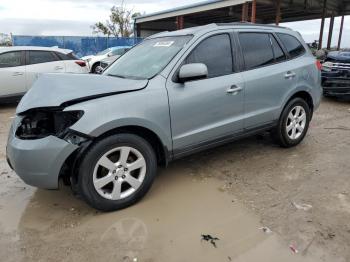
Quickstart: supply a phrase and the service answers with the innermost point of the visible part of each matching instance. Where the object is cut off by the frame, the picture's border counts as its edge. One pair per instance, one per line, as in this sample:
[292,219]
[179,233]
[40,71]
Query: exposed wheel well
[307,97]
[69,170]
[94,65]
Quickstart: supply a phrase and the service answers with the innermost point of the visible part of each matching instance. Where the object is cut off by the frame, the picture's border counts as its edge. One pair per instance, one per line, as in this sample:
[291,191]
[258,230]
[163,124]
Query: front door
[207,110]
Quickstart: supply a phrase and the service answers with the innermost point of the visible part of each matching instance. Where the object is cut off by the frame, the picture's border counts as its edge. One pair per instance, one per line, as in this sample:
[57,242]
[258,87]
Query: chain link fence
[81,45]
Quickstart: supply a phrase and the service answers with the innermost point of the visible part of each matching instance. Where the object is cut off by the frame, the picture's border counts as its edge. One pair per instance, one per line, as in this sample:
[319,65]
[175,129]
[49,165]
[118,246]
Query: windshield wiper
[120,76]
[128,77]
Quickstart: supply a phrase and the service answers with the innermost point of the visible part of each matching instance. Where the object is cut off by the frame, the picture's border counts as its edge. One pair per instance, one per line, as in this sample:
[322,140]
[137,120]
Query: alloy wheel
[119,173]
[296,122]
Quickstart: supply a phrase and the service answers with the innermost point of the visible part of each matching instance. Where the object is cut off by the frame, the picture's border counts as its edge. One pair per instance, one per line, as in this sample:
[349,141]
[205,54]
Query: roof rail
[250,24]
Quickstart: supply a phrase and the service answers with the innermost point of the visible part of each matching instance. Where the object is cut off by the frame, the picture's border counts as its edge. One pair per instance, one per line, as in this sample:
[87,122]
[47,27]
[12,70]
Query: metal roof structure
[226,11]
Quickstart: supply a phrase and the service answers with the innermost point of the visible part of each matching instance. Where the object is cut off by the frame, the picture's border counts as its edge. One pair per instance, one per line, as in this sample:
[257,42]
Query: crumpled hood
[55,90]
[340,56]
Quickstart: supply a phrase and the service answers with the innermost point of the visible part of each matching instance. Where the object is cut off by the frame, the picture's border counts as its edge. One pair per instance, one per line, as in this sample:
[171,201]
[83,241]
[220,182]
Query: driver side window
[216,53]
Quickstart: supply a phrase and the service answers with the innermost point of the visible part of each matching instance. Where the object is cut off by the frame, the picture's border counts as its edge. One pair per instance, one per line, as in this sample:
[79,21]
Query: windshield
[148,58]
[106,51]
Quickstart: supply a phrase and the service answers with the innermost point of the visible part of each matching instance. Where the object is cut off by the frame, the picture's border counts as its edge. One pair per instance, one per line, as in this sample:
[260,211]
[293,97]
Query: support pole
[340,32]
[244,12]
[253,18]
[180,22]
[330,33]
[322,24]
[278,12]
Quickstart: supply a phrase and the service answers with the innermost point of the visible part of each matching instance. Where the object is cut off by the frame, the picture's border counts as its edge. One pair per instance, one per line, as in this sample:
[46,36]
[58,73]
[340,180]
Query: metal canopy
[230,10]
[221,11]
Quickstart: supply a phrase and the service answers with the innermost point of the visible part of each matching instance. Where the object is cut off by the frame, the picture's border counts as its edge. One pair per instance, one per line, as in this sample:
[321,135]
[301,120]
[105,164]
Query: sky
[75,17]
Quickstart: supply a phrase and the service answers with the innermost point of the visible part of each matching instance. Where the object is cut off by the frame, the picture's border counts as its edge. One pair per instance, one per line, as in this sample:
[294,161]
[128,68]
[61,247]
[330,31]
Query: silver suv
[174,94]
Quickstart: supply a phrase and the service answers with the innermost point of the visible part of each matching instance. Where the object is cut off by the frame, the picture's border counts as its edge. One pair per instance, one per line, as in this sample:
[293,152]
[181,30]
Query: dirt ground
[301,194]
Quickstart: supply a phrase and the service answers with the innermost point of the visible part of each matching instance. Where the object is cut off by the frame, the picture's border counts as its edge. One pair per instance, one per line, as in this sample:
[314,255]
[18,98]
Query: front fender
[137,122]
[147,108]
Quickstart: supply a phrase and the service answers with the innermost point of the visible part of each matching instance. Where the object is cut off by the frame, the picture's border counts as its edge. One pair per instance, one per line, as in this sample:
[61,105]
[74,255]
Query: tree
[5,40]
[119,23]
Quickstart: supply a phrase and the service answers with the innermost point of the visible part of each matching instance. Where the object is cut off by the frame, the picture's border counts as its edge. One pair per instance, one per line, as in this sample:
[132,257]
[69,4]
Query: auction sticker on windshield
[164,44]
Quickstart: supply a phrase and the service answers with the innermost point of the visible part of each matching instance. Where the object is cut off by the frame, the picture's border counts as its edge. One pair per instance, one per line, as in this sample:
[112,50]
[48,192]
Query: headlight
[327,66]
[42,123]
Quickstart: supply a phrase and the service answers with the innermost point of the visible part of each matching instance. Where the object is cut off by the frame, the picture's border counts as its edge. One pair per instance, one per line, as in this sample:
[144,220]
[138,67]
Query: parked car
[106,63]
[112,52]
[174,94]
[21,65]
[336,74]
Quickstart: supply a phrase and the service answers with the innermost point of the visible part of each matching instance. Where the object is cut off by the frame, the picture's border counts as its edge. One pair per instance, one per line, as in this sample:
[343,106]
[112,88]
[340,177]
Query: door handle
[234,90]
[289,75]
[58,68]
[17,74]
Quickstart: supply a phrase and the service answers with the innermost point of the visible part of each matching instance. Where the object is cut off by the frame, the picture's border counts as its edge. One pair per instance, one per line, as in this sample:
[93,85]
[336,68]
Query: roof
[34,48]
[189,9]
[210,27]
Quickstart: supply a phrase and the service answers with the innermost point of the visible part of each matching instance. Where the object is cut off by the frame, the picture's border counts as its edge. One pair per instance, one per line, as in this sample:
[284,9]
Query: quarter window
[216,53]
[10,59]
[257,50]
[293,45]
[38,57]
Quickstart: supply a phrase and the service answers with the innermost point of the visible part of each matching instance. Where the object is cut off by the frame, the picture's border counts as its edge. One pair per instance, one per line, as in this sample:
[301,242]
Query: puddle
[165,226]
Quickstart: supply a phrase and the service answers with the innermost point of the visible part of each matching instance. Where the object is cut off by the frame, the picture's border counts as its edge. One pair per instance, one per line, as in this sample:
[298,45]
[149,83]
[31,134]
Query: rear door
[38,62]
[266,77]
[207,110]
[12,73]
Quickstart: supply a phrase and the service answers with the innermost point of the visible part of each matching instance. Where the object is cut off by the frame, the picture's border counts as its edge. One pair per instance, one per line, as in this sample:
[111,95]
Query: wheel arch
[69,170]
[161,150]
[305,95]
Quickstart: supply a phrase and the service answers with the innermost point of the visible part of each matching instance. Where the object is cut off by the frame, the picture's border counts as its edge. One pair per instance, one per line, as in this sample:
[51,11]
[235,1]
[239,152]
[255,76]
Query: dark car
[336,74]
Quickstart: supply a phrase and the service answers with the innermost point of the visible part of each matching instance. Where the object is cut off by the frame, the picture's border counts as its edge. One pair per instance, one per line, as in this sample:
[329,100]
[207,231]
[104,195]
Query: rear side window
[11,59]
[293,45]
[216,53]
[69,56]
[257,49]
[38,57]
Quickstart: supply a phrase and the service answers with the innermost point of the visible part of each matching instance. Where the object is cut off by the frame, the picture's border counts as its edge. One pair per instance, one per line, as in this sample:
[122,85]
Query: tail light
[81,63]
[318,65]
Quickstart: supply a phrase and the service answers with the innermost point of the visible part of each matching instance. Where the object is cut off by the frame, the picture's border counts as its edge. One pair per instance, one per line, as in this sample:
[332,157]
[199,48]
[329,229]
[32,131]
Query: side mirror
[110,54]
[193,71]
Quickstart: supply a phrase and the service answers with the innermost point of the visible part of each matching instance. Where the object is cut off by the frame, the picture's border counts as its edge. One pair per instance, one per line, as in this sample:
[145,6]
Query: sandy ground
[302,195]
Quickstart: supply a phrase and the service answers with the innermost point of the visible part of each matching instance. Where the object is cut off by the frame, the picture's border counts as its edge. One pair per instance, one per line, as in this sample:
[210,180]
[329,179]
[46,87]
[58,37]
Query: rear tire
[117,171]
[293,123]
[93,68]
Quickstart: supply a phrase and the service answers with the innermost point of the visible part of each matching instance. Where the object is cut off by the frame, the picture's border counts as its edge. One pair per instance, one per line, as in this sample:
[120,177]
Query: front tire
[117,171]
[293,123]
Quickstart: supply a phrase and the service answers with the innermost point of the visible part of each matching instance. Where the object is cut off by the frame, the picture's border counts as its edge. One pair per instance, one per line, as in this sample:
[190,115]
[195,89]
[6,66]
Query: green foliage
[119,23]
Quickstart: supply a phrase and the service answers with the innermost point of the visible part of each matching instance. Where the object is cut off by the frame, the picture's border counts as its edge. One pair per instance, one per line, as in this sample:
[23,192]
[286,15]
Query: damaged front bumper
[336,80]
[37,162]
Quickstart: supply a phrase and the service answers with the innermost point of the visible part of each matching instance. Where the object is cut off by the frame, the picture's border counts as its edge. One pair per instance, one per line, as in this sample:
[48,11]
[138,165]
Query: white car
[21,65]
[94,61]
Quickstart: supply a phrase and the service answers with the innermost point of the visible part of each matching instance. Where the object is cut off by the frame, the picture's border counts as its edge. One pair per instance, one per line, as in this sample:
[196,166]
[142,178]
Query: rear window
[38,57]
[10,59]
[292,44]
